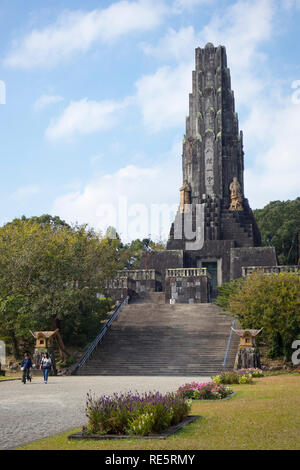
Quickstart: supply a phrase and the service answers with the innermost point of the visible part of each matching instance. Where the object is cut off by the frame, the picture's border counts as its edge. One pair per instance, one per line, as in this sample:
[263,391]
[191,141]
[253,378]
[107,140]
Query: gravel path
[35,410]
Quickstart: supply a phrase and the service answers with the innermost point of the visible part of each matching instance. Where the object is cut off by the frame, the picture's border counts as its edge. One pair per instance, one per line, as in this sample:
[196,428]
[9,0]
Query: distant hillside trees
[279,223]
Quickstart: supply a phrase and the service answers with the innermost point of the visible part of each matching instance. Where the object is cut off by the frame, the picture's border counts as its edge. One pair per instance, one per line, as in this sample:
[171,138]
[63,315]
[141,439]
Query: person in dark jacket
[25,367]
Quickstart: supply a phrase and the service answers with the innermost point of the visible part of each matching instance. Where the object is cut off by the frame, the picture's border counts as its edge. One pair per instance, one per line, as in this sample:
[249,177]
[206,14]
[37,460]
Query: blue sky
[97,94]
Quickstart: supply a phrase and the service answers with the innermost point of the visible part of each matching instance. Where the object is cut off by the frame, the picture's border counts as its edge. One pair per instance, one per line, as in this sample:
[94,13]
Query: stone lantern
[248,355]
[44,339]
[44,344]
[247,337]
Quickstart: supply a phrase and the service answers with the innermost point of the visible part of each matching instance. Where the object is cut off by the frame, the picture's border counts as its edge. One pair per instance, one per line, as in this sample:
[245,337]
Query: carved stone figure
[236,195]
[185,195]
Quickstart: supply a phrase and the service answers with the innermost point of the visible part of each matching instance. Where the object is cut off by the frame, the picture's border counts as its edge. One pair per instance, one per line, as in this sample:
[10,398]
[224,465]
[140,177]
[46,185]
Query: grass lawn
[7,377]
[264,415]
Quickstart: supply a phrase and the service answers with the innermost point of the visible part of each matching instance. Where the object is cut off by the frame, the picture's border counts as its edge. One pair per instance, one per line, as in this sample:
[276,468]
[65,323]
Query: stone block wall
[250,256]
[188,289]
[161,261]
[134,282]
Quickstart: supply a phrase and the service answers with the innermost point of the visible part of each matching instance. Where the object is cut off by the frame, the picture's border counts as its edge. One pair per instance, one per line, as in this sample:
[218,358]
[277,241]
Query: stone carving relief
[210,81]
[236,195]
[209,166]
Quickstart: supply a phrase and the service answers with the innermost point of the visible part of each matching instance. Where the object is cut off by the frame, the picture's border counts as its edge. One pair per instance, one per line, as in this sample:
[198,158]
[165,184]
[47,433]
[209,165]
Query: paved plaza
[35,410]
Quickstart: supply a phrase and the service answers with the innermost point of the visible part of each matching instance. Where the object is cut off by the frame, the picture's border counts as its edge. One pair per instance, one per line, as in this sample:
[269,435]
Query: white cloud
[46,100]
[181,5]
[242,28]
[125,199]
[163,97]
[84,117]
[77,31]
[276,172]
[178,45]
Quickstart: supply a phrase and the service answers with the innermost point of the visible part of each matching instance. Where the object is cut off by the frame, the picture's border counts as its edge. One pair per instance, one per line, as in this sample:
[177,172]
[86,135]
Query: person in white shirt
[46,366]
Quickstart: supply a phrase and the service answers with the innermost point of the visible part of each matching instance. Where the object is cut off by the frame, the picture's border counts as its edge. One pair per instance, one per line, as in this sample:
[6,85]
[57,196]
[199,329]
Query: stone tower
[214,235]
[213,146]
[213,176]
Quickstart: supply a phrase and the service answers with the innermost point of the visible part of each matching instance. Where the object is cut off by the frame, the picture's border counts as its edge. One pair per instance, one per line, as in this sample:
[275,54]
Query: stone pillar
[247,358]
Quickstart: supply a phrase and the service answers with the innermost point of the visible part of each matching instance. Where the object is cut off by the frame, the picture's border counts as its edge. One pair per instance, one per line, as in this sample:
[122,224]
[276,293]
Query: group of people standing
[26,367]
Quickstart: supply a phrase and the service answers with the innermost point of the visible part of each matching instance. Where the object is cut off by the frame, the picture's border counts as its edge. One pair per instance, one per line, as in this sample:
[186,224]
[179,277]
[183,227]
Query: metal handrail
[229,343]
[102,333]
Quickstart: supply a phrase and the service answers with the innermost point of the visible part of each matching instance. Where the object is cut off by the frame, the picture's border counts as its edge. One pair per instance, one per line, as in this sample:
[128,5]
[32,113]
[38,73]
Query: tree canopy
[271,302]
[50,275]
[279,224]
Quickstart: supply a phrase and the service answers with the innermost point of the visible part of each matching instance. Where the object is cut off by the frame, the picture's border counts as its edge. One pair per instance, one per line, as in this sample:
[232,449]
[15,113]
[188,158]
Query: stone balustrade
[270,269]
[139,274]
[187,272]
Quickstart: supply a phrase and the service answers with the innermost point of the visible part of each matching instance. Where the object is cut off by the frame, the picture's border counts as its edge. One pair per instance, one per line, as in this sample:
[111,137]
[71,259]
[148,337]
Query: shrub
[137,414]
[204,391]
[253,371]
[233,377]
[271,302]
[226,291]
[245,379]
[141,425]
[68,362]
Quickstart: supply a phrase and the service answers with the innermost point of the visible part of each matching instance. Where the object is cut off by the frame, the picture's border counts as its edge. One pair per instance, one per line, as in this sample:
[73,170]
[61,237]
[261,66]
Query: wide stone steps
[236,226]
[153,338]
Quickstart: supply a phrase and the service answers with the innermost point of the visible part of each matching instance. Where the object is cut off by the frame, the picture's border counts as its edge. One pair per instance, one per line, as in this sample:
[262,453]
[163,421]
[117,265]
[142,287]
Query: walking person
[25,367]
[46,364]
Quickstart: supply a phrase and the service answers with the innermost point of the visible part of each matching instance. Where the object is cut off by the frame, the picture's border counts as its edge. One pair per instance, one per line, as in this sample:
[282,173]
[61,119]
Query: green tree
[50,275]
[46,219]
[279,224]
[226,291]
[15,322]
[134,250]
[271,302]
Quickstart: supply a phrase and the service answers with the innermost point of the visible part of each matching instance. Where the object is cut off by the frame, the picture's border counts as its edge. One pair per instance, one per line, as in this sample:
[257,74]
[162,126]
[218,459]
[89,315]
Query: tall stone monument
[214,235]
[213,179]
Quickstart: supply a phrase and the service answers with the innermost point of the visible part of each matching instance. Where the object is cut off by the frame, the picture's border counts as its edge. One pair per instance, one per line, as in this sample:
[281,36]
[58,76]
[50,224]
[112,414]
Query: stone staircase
[153,338]
[236,226]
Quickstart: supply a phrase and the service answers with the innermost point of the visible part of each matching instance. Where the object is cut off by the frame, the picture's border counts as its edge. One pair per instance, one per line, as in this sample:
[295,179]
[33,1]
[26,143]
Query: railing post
[228,343]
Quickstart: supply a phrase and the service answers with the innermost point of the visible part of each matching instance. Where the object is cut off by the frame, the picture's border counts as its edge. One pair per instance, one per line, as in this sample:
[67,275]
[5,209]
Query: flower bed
[134,414]
[234,377]
[204,391]
[254,372]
